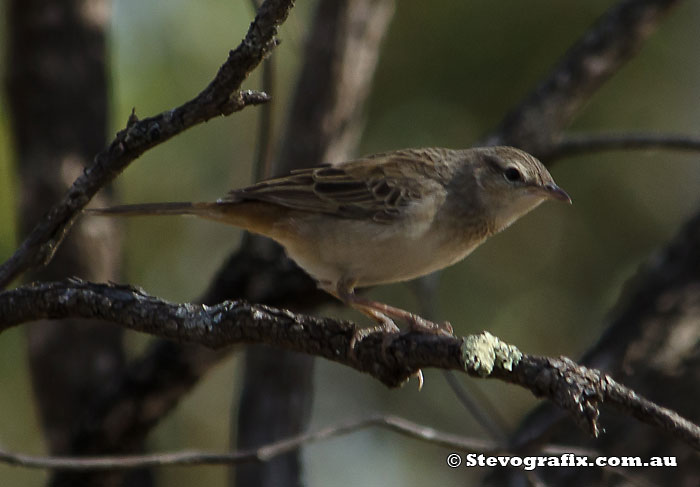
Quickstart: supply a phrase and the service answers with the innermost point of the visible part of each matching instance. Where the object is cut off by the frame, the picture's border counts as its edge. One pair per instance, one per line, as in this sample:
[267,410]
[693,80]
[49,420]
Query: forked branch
[220,97]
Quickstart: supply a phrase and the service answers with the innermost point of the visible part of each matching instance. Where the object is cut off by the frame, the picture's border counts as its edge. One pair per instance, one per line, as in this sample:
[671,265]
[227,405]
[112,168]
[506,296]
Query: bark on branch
[577,389]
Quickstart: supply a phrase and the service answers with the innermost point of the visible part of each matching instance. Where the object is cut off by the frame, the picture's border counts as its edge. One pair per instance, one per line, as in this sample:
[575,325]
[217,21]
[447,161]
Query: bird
[382,218]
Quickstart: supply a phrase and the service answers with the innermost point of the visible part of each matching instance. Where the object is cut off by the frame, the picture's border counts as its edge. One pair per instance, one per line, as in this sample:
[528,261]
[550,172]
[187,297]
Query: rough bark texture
[578,390]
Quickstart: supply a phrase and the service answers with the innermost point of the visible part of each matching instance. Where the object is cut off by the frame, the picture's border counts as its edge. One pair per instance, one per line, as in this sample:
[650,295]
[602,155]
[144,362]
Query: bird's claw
[421,325]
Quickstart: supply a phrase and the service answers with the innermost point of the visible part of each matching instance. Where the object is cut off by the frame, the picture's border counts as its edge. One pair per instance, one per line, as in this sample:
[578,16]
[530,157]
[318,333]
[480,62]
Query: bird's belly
[370,253]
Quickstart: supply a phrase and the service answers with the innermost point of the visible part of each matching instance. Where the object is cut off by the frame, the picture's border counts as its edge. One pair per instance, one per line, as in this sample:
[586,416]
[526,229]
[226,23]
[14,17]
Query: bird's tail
[254,216]
[143,209]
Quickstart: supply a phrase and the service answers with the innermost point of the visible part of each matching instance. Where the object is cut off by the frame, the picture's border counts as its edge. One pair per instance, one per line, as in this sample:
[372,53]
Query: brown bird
[383,218]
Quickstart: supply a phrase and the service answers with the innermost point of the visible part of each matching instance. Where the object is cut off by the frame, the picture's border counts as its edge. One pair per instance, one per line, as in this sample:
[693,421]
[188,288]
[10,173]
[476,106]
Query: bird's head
[511,182]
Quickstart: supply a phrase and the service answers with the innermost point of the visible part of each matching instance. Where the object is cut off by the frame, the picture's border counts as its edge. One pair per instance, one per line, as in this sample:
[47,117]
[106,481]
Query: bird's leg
[344,291]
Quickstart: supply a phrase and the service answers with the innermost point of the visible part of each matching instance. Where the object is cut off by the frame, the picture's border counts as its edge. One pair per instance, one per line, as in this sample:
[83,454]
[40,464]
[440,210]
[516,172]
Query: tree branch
[575,144]
[267,452]
[220,97]
[535,124]
[575,388]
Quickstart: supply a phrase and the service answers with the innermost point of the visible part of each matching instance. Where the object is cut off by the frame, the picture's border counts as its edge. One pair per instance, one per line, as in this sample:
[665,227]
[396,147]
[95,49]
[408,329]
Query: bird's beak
[554,192]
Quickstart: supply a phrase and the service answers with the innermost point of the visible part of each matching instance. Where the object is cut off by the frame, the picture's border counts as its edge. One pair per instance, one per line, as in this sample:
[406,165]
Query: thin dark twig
[477,407]
[188,458]
[220,97]
[575,144]
[536,123]
[575,388]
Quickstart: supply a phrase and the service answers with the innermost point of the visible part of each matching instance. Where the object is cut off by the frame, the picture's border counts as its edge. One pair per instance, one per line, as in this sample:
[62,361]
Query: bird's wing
[377,187]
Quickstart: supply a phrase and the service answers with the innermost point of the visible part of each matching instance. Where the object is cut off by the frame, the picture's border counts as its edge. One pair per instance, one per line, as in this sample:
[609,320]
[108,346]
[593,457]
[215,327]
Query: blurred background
[445,77]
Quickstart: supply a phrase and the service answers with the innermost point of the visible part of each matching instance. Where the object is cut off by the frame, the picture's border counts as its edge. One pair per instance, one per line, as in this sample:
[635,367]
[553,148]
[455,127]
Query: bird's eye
[512,175]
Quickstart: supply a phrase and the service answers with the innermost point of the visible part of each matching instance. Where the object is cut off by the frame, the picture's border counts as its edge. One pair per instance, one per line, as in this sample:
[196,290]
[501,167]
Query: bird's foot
[389,330]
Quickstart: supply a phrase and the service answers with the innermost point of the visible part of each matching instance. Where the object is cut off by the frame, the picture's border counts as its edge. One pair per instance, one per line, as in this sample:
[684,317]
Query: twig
[478,407]
[535,124]
[575,388]
[392,423]
[575,144]
[220,97]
